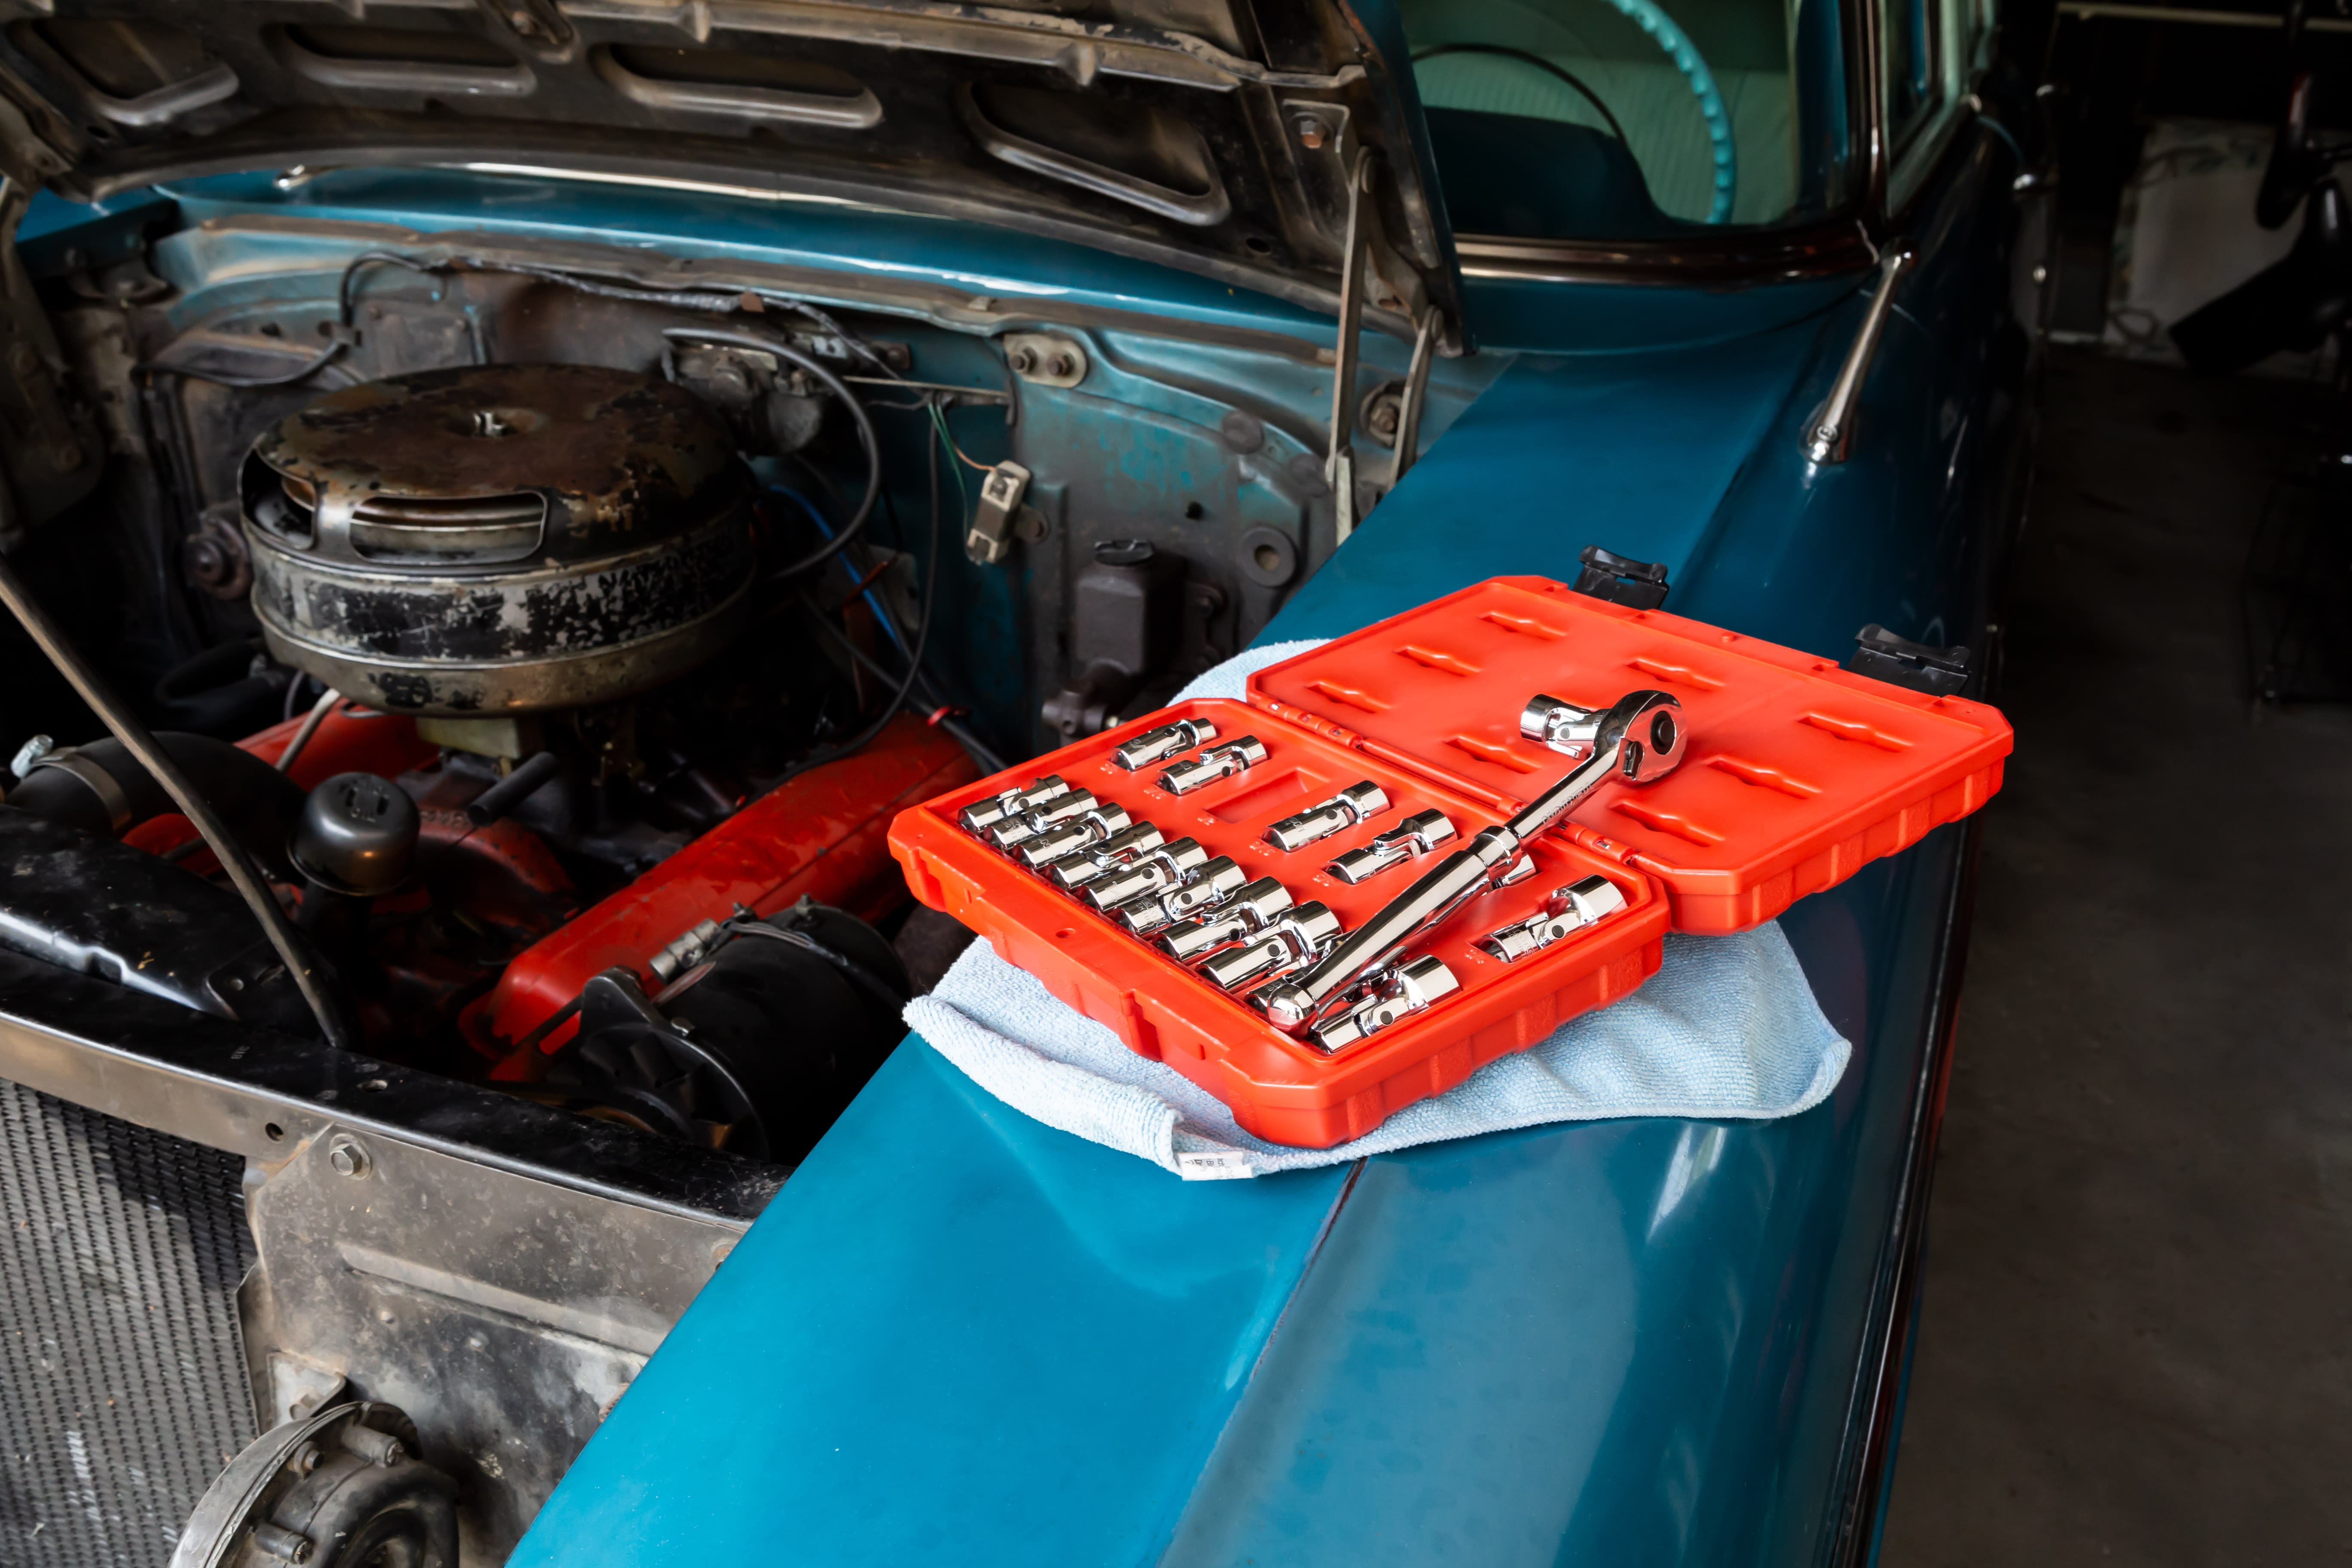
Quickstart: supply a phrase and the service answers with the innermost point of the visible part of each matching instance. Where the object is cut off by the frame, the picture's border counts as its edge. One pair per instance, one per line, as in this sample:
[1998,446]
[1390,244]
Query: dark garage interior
[2131,1341]
[2131,1344]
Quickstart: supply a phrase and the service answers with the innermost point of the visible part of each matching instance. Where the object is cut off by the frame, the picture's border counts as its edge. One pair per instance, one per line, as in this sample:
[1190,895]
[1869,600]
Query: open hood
[1217,135]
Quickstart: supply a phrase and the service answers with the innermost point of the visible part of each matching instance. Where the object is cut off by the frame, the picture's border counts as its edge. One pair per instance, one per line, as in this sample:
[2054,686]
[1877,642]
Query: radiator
[122,1383]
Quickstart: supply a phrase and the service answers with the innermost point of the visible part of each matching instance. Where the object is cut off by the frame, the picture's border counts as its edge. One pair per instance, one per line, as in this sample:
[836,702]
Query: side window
[1928,52]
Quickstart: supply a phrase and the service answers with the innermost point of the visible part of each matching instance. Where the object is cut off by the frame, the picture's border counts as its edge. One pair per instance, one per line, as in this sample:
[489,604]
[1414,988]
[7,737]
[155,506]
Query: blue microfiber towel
[1727,1029]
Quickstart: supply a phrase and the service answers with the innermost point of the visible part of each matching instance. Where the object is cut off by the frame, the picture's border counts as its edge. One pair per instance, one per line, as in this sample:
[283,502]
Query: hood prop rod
[140,741]
[1339,468]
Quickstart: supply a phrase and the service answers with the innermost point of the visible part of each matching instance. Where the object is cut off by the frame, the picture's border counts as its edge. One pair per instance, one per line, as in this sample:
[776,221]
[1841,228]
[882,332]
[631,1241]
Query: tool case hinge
[1916,666]
[1620,580]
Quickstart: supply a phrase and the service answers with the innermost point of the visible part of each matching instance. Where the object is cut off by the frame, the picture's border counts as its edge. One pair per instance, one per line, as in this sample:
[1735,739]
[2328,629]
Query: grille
[122,1381]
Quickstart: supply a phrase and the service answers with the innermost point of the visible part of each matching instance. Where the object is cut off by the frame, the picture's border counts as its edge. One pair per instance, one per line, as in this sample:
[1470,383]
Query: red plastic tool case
[1797,774]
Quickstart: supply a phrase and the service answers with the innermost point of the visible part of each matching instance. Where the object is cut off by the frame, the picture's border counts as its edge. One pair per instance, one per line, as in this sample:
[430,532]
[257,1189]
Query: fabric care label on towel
[1728,1029]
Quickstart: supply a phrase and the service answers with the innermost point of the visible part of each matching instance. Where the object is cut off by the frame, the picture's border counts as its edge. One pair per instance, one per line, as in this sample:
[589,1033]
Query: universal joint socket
[1248,912]
[1075,871]
[1220,763]
[1154,871]
[1350,806]
[1410,988]
[1205,888]
[1416,835]
[1291,942]
[1015,831]
[983,815]
[1083,831]
[1573,907]
[1158,745]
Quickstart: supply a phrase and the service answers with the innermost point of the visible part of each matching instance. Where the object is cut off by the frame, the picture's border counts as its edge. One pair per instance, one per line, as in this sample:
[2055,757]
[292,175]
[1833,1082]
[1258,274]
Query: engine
[558,817]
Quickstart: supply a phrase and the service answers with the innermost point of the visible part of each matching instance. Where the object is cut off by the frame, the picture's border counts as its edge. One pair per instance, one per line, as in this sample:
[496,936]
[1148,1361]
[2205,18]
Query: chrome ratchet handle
[1292,1004]
[1638,740]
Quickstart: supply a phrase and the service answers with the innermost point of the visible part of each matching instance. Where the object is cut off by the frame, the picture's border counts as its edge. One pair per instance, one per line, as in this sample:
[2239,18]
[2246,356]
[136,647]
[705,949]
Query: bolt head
[1061,364]
[346,1158]
[1023,360]
[1311,133]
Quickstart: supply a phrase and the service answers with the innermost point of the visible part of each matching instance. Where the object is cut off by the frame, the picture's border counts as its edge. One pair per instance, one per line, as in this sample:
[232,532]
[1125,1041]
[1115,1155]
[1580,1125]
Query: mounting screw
[274,1540]
[1021,361]
[1311,133]
[376,1447]
[1061,364]
[347,1157]
[30,753]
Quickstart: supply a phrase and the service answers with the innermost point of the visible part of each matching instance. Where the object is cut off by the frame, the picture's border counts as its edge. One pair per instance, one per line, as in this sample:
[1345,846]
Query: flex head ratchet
[1638,740]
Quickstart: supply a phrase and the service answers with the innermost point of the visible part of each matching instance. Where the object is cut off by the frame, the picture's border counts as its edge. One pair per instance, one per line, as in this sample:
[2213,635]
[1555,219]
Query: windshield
[1631,119]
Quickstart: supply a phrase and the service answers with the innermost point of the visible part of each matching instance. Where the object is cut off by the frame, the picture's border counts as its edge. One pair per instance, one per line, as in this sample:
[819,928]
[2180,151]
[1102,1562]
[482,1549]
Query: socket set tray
[1205,881]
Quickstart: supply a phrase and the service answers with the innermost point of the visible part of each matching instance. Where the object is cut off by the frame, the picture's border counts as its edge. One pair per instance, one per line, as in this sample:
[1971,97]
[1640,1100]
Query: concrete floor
[2137,1340]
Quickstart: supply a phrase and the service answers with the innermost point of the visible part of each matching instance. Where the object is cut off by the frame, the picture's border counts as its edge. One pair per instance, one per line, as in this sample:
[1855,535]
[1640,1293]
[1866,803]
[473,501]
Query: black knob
[358,834]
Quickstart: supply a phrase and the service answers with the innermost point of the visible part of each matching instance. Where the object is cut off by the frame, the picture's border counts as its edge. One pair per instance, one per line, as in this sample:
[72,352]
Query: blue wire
[889,623]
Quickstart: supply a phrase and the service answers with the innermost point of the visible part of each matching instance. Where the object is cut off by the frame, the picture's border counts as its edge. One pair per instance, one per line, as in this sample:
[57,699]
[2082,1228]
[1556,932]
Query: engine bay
[560,630]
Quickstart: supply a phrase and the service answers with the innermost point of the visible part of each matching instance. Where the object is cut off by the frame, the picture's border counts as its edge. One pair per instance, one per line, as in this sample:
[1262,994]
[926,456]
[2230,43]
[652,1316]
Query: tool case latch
[1620,580]
[1914,666]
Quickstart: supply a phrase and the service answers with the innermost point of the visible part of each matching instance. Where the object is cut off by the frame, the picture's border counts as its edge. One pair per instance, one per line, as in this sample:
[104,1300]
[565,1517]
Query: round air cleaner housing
[499,538]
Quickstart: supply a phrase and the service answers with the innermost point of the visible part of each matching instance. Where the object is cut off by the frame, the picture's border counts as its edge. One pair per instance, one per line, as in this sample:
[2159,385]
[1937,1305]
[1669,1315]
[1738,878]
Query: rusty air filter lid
[481,464]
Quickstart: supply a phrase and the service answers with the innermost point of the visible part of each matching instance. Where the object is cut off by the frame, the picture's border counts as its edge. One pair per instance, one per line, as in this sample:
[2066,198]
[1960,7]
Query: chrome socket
[1158,745]
[1408,989]
[1155,872]
[1292,942]
[983,815]
[1083,831]
[1245,914]
[1562,726]
[1205,888]
[1018,830]
[1075,871]
[1342,811]
[1220,763]
[1570,909]
[1416,835]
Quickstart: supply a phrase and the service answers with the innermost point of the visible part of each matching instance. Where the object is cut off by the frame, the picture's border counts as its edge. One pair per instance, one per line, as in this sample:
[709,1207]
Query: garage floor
[2137,1340]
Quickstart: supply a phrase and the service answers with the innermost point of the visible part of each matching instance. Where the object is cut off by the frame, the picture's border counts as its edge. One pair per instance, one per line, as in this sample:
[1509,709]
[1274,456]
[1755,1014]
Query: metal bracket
[1339,466]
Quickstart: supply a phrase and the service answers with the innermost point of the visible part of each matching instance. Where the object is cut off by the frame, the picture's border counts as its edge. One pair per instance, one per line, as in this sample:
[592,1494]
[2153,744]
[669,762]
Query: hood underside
[1215,135]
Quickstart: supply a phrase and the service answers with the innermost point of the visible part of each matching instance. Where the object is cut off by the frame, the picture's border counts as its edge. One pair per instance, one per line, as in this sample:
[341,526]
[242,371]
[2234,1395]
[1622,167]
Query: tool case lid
[1798,773]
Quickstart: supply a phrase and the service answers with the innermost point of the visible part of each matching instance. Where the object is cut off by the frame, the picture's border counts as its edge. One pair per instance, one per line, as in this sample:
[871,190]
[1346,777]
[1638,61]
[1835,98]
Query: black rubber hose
[866,439]
[259,805]
[514,789]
